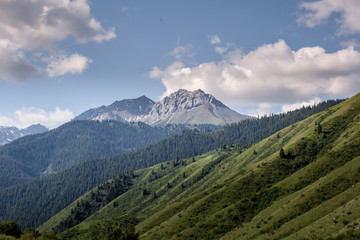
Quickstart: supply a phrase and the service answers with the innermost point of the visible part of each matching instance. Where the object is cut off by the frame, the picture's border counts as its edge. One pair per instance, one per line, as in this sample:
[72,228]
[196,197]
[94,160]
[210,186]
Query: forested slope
[74,142]
[48,195]
[301,183]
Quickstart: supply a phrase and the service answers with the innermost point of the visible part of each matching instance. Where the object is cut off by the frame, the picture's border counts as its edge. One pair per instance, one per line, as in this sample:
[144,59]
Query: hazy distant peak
[36,128]
[9,134]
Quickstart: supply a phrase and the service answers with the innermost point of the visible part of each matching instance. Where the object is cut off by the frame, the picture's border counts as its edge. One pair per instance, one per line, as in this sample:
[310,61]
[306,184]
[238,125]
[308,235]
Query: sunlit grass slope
[300,183]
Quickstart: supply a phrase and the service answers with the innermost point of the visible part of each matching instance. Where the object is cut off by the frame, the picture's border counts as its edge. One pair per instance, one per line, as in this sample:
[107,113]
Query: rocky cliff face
[185,107]
[181,107]
[127,110]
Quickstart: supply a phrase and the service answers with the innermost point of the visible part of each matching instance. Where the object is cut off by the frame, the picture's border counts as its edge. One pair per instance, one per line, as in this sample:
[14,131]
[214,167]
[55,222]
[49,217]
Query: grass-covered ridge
[49,195]
[300,183]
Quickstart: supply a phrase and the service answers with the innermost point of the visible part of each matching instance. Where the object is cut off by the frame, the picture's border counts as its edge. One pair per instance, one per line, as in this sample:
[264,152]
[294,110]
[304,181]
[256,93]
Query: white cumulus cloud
[28,26]
[73,64]
[318,12]
[182,51]
[261,110]
[351,43]
[215,39]
[27,116]
[13,66]
[271,74]
[221,50]
[290,107]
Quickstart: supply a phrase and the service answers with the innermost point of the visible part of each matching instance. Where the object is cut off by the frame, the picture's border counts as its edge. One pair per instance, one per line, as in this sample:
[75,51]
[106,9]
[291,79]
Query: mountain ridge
[53,151]
[180,107]
[300,183]
[126,110]
[50,194]
[9,134]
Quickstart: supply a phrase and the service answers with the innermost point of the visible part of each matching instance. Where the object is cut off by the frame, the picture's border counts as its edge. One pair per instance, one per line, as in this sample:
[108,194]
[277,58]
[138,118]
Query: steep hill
[50,194]
[181,107]
[42,154]
[302,182]
[9,134]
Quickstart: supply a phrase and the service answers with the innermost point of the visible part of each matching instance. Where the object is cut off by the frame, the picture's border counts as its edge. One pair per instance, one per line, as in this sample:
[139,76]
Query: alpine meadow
[158,120]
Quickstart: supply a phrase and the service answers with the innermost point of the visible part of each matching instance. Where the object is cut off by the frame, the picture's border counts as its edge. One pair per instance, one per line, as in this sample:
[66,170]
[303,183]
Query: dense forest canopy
[77,141]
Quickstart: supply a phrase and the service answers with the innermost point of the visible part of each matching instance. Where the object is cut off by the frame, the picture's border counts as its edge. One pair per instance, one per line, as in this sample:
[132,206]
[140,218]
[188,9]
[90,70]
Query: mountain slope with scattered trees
[302,182]
[49,195]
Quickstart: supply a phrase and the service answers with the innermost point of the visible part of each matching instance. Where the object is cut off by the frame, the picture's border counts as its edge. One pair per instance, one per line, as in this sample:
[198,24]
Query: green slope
[49,195]
[310,190]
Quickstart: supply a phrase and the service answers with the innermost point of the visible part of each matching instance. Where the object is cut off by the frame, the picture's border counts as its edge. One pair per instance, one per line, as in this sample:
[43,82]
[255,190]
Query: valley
[179,120]
[196,153]
[255,194]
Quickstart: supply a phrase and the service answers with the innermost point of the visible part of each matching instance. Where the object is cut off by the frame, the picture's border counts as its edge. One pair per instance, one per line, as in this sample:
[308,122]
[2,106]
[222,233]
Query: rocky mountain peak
[127,110]
[180,107]
[137,106]
[185,100]
[140,100]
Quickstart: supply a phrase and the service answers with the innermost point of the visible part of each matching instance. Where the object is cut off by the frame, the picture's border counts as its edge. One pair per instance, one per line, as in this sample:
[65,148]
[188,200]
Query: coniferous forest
[49,194]
[289,185]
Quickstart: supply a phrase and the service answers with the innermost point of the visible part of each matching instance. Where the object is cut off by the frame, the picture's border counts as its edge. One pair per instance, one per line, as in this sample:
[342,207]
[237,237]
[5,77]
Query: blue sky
[60,58]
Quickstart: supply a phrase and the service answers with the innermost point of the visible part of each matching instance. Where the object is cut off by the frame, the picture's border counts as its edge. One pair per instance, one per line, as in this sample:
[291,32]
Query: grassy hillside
[49,195]
[300,183]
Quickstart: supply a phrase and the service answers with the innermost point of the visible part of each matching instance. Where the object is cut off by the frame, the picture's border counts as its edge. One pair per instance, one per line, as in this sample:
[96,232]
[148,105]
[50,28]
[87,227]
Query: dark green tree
[319,128]
[10,228]
[113,231]
[282,153]
[30,234]
[145,192]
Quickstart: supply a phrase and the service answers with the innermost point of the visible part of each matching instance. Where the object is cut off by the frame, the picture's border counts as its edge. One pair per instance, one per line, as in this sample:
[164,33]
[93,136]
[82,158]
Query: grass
[311,193]
[288,208]
[6,237]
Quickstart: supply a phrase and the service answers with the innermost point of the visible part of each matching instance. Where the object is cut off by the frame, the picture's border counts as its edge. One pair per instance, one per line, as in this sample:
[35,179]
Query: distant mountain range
[181,107]
[9,134]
